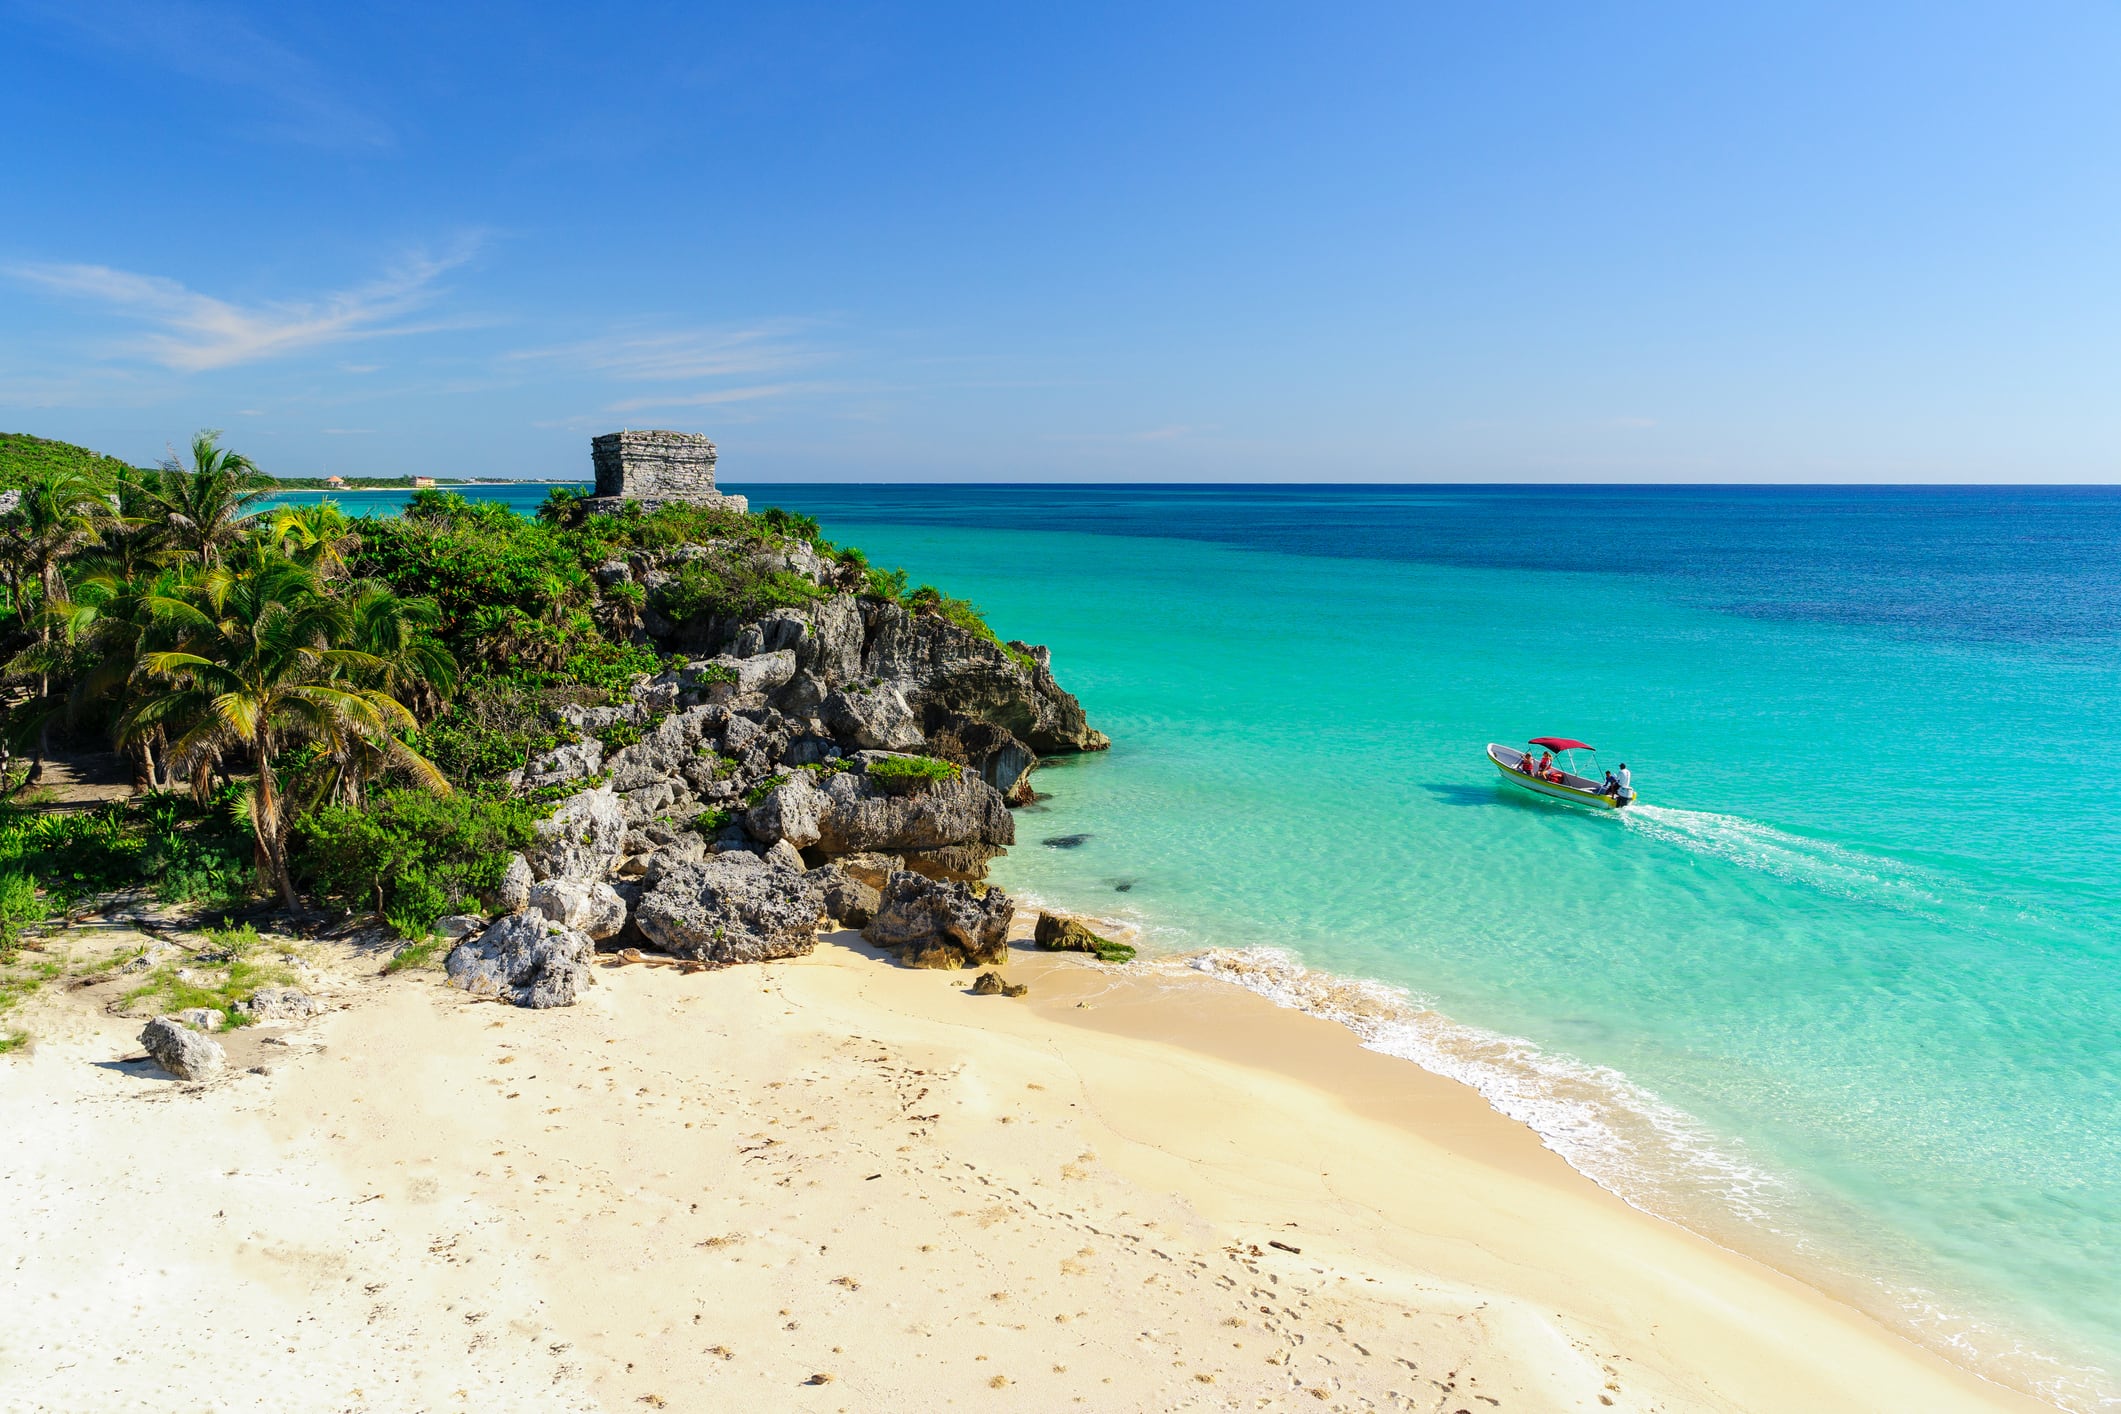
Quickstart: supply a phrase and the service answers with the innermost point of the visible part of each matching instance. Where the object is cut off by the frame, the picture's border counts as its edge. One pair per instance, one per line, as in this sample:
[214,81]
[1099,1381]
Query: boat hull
[1506,766]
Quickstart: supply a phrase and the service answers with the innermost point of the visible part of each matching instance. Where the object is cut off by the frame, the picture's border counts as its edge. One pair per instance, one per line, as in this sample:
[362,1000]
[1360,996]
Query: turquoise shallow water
[1842,992]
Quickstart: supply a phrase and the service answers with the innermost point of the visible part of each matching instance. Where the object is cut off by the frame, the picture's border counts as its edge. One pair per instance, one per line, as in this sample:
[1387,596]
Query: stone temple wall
[656,468]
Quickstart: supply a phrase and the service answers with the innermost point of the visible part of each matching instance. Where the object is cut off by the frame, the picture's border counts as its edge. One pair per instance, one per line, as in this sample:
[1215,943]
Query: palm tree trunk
[265,819]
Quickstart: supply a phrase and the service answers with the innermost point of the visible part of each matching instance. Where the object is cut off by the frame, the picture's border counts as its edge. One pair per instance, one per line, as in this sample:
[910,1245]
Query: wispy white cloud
[1170,432]
[718,357]
[192,332]
[713,398]
[218,46]
[667,356]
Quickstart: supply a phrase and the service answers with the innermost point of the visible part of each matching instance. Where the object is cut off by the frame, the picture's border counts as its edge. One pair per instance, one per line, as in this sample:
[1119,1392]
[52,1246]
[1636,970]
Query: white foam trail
[1833,868]
[1606,1126]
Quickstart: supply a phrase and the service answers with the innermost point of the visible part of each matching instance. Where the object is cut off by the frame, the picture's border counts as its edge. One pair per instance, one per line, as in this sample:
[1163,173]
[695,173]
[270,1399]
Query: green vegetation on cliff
[23,459]
[330,707]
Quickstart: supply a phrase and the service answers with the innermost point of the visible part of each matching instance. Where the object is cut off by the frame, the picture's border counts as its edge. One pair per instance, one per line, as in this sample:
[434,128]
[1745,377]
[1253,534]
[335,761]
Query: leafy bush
[793,524]
[712,822]
[620,735]
[759,792]
[183,852]
[414,857]
[737,588]
[495,726]
[908,775]
[887,584]
[18,905]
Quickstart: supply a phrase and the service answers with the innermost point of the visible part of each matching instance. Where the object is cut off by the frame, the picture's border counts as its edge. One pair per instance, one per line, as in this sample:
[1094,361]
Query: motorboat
[1562,780]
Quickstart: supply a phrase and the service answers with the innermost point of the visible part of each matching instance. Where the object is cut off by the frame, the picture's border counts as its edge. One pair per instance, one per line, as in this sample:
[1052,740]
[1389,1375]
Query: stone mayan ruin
[656,469]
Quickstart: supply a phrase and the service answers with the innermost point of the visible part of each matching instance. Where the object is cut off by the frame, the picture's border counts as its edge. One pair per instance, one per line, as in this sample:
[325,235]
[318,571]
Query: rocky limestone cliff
[727,804]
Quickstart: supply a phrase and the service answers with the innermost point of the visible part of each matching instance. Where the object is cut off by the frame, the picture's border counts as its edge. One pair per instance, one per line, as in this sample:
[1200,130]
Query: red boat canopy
[1562,743]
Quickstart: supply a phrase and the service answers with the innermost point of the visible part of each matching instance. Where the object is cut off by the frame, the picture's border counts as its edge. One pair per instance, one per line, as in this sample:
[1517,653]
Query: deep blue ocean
[1843,991]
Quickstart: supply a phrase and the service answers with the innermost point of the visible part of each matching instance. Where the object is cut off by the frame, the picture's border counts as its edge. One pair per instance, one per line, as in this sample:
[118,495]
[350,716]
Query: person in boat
[1546,767]
[1611,786]
[1626,782]
[1524,762]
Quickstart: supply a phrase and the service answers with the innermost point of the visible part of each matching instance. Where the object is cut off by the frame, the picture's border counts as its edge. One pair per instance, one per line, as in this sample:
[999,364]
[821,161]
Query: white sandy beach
[836,1184]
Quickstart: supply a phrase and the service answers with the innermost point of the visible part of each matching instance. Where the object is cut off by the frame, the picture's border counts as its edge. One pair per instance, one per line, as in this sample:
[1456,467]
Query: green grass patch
[427,952]
[216,985]
[909,775]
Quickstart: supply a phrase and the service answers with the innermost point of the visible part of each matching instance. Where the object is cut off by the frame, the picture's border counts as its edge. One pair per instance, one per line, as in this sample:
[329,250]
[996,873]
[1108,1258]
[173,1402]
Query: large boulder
[585,905]
[512,894]
[936,924]
[269,1004]
[857,817]
[575,761]
[873,718]
[750,679]
[1000,759]
[664,750]
[789,812]
[875,870]
[181,1051]
[832,650]
[730,908]
[526,959]
[582,839]
[952,669]
[848,901]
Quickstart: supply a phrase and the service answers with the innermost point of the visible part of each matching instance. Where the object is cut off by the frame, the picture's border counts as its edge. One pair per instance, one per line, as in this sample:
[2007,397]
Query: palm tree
[263,663]
[207,505]
[60,514]
[113,616]
[318,536]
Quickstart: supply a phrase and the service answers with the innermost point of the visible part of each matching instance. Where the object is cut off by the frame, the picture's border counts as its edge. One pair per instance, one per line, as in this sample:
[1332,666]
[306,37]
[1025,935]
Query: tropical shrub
[412,857]
[909,775]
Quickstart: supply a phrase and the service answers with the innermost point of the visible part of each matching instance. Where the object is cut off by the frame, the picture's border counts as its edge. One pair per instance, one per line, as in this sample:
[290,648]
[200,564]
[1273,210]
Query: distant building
[334,481]
[655,469]
[423,481]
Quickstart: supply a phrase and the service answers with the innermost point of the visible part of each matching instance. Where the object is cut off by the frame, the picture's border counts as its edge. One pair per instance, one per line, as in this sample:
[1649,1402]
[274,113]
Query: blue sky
[1402,241]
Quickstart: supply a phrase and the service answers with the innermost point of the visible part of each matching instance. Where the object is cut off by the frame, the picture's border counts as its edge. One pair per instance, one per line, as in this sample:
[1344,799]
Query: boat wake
[1818,864]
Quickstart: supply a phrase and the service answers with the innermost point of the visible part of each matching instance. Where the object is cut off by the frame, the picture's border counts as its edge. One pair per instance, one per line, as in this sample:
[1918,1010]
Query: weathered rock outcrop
[857,817]
[948,669]
[729,908]
[269,1004]
[993,752]
[993,984]
[575,761]
[748,760]
[936,924]
[182,1052]
[848,901]
[581,839]
[526,959]
[513,892]
[873,718]
[585,905]
[1057,932]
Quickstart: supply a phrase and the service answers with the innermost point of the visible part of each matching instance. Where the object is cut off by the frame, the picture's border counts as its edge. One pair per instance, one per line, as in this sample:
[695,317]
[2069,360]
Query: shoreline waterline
[1617,1136]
